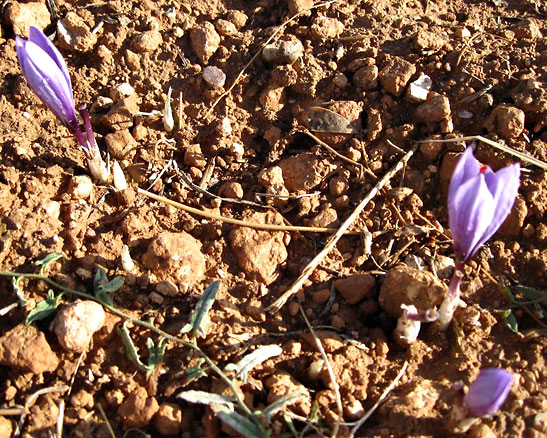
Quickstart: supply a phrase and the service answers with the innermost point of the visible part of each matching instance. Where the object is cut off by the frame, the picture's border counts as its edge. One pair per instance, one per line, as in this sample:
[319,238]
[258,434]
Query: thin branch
[30,401]
[308,270]
[369,413]
[332,377]
[338,154]
[267,227]
[524,157]
[199,189]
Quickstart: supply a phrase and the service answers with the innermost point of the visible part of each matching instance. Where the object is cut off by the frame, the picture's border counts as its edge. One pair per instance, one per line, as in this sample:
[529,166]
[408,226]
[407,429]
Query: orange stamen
[483,168]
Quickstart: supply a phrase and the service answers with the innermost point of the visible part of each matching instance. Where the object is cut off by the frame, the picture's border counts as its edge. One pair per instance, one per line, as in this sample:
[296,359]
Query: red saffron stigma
[483,168]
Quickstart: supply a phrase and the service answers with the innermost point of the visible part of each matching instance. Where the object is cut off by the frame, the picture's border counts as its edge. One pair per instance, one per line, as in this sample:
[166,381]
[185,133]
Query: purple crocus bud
[47,75]
[479,201]
[488,392]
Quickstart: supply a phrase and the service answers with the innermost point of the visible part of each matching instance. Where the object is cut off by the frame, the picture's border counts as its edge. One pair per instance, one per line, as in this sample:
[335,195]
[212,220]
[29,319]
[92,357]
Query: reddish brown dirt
[357,60]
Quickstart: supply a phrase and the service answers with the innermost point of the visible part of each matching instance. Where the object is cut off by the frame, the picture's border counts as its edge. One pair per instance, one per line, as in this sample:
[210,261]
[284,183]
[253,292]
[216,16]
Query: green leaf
[532,294]
[207,398]
[200,314]
[156,354]
[511,321]
[130,349]
[280,403]
[99,279]
[196,372]
[250,361]
[507,292]
[19,292]
[113,285]
[243,425]
[291,426]
[43,263]
[103,287]
[44,308]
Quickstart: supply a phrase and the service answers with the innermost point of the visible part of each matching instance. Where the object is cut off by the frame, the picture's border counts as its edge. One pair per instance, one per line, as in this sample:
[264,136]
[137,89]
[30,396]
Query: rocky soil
[298,136]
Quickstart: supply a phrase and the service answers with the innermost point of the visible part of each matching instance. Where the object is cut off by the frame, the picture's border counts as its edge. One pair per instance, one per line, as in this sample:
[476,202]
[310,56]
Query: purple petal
[466,168]
[471,209]
[38,38]
[504,186]
[488,392]
[46,79]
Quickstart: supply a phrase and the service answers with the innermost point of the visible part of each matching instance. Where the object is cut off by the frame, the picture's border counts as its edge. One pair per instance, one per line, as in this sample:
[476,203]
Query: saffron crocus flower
[479,201]
[47,75]
[488,392]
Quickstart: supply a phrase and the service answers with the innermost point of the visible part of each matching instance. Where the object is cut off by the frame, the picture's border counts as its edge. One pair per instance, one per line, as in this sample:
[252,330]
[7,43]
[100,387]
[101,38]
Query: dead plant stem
[369,413]
[308,270]
[332,377]
[267,227]
[501,147]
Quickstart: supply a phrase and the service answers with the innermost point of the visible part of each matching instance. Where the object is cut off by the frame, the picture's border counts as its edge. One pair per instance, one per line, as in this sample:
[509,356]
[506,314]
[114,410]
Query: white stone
[419,89]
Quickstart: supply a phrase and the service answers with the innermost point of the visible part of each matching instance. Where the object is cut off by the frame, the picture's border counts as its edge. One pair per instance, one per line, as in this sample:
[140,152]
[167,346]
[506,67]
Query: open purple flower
[479,201]
[47,75]
[488,392]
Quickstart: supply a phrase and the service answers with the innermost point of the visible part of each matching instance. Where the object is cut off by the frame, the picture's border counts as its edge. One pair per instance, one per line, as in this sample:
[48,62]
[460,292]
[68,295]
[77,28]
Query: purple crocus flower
[488,392]
[479,201]
[47,75]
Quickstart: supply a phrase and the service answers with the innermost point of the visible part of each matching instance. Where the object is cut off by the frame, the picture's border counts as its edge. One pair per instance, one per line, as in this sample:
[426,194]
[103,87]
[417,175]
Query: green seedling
[155,352]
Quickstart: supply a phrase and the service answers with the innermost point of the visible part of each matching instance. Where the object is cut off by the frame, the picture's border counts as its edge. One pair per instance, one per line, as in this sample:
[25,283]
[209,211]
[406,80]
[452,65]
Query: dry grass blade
[108,425]
[332,377]
[266,227]
[272,37]
[338,154]
[369,413]
[30,401]
[524,157]
[295,287]
[199,189]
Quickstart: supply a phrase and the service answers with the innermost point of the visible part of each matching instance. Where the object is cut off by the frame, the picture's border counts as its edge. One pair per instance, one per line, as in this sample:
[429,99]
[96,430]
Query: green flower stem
[147,325]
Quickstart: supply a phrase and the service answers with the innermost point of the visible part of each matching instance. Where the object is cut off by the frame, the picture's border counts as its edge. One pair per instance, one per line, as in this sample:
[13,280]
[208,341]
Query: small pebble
[284,51]
[214,77]
[81,186]
[419,89]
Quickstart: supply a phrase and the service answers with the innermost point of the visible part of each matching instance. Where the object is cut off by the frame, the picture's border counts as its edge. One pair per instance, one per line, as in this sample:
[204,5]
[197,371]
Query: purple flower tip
[488,392]
[47,75]
[479,201]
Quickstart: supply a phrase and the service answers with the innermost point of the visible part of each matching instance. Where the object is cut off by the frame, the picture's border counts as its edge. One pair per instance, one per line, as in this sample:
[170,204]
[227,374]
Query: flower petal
[38,38]
[504,186]
[46,79]
[467,167]
[488,392]
[471,209]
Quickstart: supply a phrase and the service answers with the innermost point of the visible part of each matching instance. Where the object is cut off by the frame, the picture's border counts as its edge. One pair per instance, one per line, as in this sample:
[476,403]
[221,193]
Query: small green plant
[532,300]
[231,410]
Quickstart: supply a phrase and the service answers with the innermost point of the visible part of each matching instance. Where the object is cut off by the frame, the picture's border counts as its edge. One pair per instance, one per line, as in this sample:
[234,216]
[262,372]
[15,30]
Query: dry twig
[30,401]
[338,154]
[501,147]
[295,287]
[266,227]
[368,414]
[332,377]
